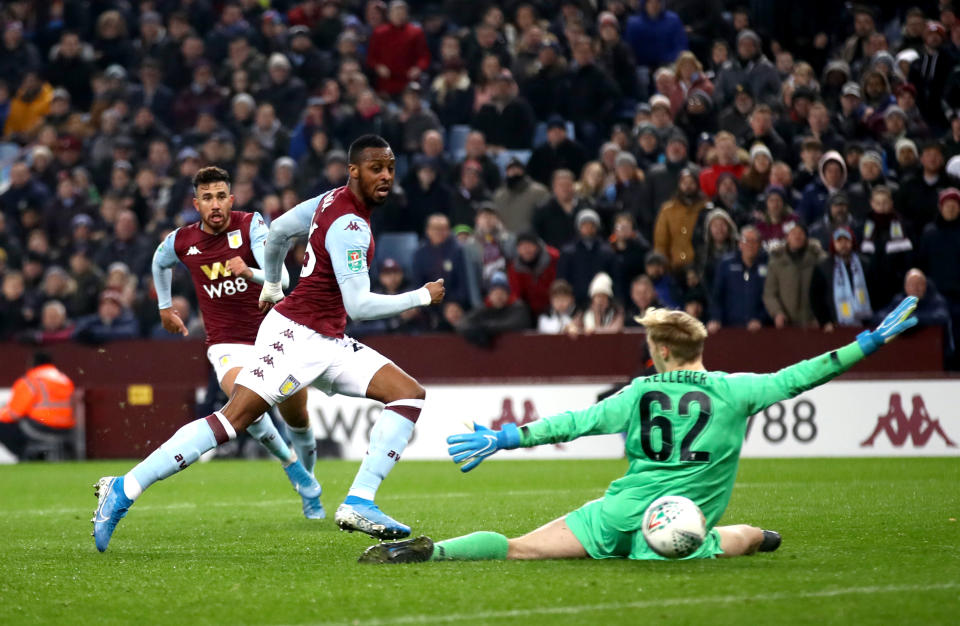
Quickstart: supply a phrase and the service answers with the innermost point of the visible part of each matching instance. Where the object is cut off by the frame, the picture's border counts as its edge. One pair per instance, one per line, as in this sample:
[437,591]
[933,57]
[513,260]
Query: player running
[685,427]
[301,341]
[224,252]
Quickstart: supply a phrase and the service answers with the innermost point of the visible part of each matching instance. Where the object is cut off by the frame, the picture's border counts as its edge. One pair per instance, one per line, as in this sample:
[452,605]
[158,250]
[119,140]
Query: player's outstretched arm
[609,416]
[164,258]
[759,391]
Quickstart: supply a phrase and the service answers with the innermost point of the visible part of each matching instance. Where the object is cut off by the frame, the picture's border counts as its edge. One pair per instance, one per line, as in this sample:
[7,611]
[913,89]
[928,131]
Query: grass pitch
[871,541]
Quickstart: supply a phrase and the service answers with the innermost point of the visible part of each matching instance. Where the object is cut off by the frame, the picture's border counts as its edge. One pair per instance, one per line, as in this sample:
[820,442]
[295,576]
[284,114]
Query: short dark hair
[361,143]
[210,174]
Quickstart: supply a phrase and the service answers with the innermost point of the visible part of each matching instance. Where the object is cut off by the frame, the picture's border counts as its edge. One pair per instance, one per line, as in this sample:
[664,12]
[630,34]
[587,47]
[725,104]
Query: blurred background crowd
[562,164]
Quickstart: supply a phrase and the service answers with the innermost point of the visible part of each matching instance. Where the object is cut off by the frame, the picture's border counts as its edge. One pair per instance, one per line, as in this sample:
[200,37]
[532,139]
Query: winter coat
[673,231]
[531,283]
[787,288]
[656,40]
[399,48]
[737,292]
[580,261]
[940,257]
[518,203]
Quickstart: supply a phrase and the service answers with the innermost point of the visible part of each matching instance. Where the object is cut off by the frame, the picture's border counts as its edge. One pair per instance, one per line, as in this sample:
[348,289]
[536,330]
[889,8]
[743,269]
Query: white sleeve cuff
[423,295]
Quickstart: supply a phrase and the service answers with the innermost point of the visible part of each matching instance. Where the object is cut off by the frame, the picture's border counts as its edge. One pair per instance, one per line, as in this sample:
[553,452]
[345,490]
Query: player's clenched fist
[437,291]
[238,267]
[172,323]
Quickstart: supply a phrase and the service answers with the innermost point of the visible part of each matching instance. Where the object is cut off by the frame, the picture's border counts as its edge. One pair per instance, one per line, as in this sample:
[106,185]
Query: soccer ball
[674,526]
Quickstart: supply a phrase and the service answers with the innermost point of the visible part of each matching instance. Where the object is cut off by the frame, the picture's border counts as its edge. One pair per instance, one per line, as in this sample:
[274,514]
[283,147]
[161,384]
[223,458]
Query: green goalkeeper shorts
[596,525]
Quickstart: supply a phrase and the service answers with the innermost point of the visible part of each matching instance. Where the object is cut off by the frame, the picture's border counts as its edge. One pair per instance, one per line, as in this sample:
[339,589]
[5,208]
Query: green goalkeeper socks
[479,546]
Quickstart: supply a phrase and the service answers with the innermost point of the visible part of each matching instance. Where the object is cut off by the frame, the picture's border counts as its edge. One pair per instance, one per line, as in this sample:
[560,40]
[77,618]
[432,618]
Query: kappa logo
[193,250]
[267,359]
[258,373]
[287,333]
[919,427]
[354,225]
[278,347]
[289,386]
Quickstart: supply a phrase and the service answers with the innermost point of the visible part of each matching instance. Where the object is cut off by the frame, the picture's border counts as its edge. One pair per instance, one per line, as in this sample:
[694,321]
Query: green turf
[865,542]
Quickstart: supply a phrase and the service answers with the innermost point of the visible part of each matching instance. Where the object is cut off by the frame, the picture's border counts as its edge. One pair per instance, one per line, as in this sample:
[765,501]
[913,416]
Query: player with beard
[223,252]
[301,341]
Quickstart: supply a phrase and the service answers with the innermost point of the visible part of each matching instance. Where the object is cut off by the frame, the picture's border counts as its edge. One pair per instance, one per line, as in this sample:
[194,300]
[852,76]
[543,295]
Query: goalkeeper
[685,427]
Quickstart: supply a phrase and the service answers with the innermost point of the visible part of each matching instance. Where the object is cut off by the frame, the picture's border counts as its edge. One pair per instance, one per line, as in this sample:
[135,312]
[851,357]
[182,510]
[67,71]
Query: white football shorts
[288,356]
[226,356]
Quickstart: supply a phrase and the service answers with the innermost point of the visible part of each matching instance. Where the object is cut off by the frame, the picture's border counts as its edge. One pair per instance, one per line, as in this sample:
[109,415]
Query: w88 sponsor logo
[226,287]
[779,422]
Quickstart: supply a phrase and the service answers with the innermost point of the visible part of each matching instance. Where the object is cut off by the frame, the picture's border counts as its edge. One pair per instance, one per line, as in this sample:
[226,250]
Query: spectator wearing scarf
[886,251]
[839,291]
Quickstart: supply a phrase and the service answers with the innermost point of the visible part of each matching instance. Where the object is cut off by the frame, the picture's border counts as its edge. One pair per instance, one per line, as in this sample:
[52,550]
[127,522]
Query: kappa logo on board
[918,428]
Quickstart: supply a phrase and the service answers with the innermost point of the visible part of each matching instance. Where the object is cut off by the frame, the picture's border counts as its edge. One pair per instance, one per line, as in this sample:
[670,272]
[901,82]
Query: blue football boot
[308,488]
[112,505]
[363,515]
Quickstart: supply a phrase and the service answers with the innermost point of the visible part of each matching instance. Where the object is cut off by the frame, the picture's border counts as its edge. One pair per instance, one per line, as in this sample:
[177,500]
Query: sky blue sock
[388,439]
[266,433]
[177,453]
[305,444]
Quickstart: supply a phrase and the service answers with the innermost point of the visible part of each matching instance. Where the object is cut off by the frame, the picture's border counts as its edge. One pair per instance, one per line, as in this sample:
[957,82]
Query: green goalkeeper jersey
[684,430]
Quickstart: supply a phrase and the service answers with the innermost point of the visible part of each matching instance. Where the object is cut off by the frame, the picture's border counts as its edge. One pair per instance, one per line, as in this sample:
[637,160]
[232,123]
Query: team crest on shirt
[224,360]
[289,385]
[355,260]
[235,239]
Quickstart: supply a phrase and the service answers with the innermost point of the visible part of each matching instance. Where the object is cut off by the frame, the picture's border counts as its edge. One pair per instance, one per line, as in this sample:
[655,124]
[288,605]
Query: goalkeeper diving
[684,431]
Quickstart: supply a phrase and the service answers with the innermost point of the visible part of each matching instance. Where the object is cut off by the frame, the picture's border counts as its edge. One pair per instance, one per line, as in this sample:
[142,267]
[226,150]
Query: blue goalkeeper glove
[482,442]
[893,324]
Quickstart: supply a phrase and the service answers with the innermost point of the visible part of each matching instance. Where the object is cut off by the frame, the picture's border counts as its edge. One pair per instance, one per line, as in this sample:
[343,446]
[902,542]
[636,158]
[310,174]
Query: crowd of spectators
[562,164]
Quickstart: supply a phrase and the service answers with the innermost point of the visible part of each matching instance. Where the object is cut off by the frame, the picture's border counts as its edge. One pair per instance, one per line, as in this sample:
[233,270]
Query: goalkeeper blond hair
[682,333]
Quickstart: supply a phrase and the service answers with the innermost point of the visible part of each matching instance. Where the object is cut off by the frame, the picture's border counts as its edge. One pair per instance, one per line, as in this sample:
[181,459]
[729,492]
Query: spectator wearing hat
[615,56]
[778,217]
[628,192]
[662,177]
[557,152]
[518,198]
[930,72]
[757,176]
[307,62]
[839,215]
[440,256]
[412,120]
[113,320]
[285,91]
[871,175]
[786,291]
[674,226]
[838,292]
[832,178]
[735,118]
[848,116]
[728,160]
[732,201]
[885,246]
[558,318]
[736,294]
[398,51]
[919,193]
[533,271]
[28,107]
[502,312]
[581,259]
[451,95]
[662,112]
[70,67]
[657,36]
[603,314]
[507,121]
[750,67]
[88,278]
[657,269]
[939,254]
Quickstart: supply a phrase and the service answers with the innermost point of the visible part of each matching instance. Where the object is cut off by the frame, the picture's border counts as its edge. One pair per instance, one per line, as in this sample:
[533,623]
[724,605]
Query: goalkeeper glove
[893,324]
[482,442]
